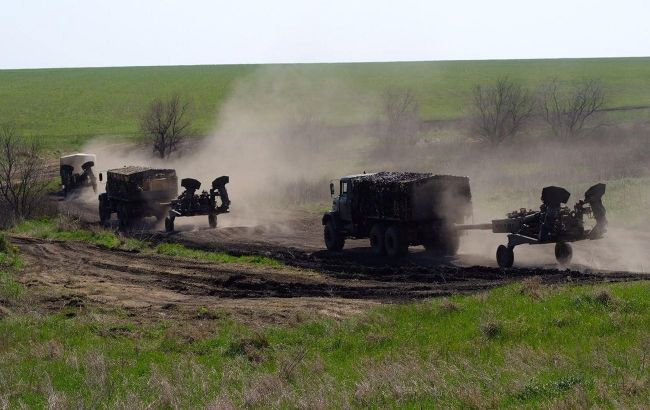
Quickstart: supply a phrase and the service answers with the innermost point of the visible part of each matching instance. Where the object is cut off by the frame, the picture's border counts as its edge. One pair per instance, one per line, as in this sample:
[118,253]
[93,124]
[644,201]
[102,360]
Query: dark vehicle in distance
[189,203]
[396,210]
[135,192]
[76,171]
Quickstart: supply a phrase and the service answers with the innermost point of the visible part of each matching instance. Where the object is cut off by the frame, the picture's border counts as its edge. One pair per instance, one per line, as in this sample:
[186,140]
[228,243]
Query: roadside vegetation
[68,228]
[522,345]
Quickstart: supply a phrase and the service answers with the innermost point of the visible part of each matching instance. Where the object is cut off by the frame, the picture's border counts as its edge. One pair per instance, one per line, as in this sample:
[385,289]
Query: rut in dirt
[75,264]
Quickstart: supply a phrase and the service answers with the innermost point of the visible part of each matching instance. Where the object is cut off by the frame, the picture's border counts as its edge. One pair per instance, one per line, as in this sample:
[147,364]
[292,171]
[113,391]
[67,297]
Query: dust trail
[282,134]
[278,137]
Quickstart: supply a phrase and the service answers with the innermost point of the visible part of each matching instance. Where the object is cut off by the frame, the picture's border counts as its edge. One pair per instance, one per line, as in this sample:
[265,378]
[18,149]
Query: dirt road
[150,285]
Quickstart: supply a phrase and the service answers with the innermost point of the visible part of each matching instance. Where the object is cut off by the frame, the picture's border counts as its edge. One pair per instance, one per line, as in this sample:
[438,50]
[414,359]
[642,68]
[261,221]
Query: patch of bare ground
[67,274]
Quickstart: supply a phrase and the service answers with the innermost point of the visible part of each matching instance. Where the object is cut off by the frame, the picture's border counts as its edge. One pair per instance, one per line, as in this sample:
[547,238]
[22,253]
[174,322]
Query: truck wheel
[505,256]
[212,220]
[334,241]
[563,253]
[123,216]
[169,224]
[377,235]
[395,242]
[104,210]
[451,243]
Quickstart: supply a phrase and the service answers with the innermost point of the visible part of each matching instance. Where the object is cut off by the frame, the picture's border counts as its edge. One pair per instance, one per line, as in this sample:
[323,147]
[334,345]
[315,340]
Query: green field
[523,345]
[68,106]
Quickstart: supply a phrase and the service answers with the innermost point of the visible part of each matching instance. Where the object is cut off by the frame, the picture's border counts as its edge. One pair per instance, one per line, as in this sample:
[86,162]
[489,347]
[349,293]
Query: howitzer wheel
[334,241]
[563,253]
[169,224]
[212,220]
[376,237]
[505,256]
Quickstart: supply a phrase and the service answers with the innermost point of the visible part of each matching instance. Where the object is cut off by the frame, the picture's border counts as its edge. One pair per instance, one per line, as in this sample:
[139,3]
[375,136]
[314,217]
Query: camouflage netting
[409,196]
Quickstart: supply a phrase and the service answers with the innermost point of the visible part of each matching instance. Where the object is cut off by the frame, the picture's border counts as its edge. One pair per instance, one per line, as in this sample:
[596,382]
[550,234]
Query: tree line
[502,110]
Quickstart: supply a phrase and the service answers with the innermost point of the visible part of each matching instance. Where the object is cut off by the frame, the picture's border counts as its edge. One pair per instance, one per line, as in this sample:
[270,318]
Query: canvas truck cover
[135,183]
[412,197]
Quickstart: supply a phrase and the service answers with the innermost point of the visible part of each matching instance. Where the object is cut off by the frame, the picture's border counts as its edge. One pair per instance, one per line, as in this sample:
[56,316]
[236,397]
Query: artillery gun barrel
[475,227]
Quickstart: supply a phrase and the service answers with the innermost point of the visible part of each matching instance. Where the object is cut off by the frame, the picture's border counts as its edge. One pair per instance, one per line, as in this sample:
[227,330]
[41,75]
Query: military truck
[136,192]
[76,171]
[395,210]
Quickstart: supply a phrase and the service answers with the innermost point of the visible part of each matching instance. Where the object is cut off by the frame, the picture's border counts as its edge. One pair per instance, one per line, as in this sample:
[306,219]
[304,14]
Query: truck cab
[342,204]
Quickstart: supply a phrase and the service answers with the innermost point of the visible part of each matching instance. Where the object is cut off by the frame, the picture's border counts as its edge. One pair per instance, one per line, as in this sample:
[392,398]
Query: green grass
[178,250]
[49,229]
[66,107]
[56,229]
[522,345]
[9,262]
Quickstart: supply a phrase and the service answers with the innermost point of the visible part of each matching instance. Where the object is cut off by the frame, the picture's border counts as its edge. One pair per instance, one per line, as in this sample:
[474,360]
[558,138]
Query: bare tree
[165,124]
[567,111]
[402,113]
[501,110]
[22,175]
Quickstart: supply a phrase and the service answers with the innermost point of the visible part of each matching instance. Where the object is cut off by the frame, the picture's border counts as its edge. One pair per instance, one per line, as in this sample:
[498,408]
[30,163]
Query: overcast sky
[82,33]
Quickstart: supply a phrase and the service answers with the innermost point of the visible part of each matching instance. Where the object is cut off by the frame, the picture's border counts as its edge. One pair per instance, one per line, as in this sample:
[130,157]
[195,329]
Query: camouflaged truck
[135,192]
[396,210]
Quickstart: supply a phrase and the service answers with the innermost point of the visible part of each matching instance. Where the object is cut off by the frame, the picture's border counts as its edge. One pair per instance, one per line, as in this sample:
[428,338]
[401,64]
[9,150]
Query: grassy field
[66,107]
[523,345]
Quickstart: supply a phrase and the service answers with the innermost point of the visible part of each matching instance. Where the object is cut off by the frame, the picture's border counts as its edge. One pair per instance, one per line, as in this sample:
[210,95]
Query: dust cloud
[283,134]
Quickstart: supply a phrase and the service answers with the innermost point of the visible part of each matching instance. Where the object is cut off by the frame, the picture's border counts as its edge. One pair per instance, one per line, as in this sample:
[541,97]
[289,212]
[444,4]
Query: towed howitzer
[553,223]
[189,203]
[76,171]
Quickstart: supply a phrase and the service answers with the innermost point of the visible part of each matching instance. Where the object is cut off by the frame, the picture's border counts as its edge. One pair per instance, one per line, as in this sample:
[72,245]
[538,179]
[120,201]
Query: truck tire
[212,220]
[123,216]
[443,242]
[451,243]
[395,242]
[334,241]
[377,235]
[104,209]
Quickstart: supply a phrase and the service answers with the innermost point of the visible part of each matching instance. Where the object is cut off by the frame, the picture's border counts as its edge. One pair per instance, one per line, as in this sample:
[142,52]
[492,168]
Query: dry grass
[604,297]
[577,398]
[68,221]
[532,287]
[397,381]
[491,329]
[252,347]
[448,306]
